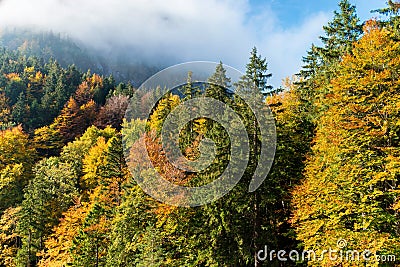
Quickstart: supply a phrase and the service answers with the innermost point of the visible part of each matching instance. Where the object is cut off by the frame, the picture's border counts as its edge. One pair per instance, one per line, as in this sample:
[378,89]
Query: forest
[69,197]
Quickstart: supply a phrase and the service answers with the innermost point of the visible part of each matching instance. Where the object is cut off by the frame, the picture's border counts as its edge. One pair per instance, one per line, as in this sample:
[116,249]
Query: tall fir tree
[340,33]
[48,195]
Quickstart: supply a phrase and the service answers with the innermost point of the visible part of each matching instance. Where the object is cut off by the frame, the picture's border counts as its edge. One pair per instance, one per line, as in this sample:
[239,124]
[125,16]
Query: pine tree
[218,84]
[115,171]
[20,111]
[54,92]
[321,63]
[391,12]
[340,33]
[257,73]
[48,195]
[90,244]
[129,226]
[254,86]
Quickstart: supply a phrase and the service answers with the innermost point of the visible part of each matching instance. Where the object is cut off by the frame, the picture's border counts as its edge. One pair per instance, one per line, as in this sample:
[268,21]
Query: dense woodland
[68,199]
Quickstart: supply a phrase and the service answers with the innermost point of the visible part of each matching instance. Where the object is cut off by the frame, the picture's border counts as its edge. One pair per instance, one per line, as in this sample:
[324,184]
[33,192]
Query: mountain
[67,51]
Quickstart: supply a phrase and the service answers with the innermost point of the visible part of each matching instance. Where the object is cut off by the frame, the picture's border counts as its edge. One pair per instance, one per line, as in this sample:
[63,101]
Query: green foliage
[320,64]
[392,21]
[90,245]
[335,173]
[48,195]
[340,33]
[129,226]
[218,84]
[257,73]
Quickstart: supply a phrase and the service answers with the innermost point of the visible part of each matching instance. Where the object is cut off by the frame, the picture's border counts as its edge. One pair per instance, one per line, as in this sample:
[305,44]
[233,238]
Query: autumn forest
[70,197]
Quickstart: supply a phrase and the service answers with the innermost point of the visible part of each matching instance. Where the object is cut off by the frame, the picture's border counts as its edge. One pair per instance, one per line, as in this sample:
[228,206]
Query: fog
[161,32]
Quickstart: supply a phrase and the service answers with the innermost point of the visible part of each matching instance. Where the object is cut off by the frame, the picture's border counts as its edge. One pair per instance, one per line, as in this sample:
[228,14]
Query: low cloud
[284,49]
[173,31]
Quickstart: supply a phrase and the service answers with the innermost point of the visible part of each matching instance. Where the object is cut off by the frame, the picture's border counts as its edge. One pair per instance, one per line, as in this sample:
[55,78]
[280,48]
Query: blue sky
[289,16]
[176,31]
[292,12]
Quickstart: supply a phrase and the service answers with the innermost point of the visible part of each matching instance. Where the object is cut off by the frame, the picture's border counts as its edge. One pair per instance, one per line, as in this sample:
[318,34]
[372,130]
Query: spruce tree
[257,73]
[218,84]
[391,12]
[48,195]
[321,63]
[254,86]
[340,33]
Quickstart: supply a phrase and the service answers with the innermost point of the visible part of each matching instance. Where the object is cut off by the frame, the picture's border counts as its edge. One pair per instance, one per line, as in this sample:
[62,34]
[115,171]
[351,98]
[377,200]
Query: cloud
[284,49]
[172,31]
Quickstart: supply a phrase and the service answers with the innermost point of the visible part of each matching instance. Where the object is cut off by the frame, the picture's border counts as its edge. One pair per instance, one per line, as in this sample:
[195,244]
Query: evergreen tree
[340,33]
[218,84]
[321,63]
[129,225]
[257,73]
[115,170]
[391,12]
[90,244]
[54,92]
[20,111]
[253,85]
[48,195]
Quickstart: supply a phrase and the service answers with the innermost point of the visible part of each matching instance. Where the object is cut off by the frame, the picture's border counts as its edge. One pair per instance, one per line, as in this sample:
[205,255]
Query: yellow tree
[9,239]
[59,243]
[89,219]
[92,164]
[16,161]
[349,192]
[164,107]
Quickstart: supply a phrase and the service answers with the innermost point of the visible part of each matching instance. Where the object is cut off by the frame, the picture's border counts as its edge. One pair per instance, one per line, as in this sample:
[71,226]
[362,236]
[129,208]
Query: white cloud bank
[174,30]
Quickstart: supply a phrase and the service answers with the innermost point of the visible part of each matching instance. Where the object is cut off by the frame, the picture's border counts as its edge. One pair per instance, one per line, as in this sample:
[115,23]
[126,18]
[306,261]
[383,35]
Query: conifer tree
[218,84]
[321,63]
[340,33]
[257,73]
[391,12]
[48,195]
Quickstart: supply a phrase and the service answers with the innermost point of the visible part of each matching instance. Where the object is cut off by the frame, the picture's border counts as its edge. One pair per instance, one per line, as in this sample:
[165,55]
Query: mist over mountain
[164,33]
[68,51]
